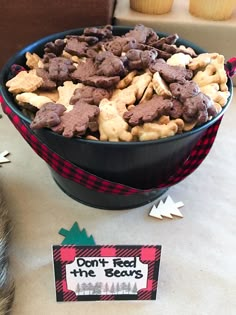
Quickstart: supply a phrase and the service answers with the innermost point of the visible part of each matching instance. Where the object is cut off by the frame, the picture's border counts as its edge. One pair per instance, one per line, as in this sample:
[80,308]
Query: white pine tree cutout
[167,209]
[2,157]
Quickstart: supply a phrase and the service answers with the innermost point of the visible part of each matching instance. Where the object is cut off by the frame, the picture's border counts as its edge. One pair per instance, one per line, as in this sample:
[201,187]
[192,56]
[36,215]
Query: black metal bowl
[142,165]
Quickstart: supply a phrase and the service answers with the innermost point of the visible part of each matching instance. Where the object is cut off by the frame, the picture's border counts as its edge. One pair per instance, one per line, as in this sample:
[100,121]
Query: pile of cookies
[134,87]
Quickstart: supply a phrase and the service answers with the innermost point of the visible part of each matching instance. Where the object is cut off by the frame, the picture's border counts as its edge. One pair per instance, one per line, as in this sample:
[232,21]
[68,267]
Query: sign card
[90,273]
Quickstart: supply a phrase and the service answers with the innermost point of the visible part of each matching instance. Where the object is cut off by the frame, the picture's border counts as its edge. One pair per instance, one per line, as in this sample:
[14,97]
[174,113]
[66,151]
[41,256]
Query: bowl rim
[32,47]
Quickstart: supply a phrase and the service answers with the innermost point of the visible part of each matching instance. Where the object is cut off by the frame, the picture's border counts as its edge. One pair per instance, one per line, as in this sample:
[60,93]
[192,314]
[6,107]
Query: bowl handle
[70,171]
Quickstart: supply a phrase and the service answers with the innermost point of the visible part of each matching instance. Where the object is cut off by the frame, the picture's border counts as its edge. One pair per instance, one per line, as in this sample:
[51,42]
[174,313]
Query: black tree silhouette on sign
[117,288]
[90,287]
[84,287]
[106,288]
[128,288]
[78,289]
[135,289]
[124,287]
[112,289]
[97,289]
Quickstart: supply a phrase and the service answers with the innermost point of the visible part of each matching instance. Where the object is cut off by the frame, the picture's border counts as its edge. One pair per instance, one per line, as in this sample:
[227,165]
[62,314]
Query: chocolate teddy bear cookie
[104,72]
[197,107]
[140,59]
[48,116]
[149,110]
[83,116]
[90,95]
[171,73]
[184,90]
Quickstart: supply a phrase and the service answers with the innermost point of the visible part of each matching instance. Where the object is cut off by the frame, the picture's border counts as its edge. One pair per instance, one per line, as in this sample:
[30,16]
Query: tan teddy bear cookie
[179,59]
[112,126]
[29,98]
[155,130]
[24,82]
[66,91]
[211,70]
[159,85]
[135,91]
[219,97]
[33,61]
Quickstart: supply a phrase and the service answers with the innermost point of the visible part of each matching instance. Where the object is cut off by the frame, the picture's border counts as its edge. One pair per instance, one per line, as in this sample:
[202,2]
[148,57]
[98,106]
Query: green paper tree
[76,236]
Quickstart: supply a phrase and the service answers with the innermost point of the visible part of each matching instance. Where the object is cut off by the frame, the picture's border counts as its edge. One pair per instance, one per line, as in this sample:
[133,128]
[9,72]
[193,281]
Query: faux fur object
[6,283]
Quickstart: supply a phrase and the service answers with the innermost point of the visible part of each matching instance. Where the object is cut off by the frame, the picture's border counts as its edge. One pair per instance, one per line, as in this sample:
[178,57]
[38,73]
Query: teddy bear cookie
[134,87]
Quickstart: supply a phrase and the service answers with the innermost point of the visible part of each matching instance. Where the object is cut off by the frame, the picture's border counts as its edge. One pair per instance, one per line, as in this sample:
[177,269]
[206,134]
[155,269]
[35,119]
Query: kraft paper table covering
[197,272]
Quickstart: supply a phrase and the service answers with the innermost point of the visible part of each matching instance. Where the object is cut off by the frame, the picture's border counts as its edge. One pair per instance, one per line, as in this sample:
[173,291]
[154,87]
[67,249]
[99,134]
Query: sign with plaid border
[107,272]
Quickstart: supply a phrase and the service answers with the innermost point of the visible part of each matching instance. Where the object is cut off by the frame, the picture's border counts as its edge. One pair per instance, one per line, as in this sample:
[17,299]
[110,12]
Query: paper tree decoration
[75,236]
[167,209]
[2,157]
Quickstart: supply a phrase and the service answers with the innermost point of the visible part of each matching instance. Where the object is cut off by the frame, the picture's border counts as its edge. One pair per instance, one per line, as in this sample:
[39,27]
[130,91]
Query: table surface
[197,272]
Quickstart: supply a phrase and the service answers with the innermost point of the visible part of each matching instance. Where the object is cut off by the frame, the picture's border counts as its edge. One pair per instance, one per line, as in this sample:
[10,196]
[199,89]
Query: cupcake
[151,6]
[212,9]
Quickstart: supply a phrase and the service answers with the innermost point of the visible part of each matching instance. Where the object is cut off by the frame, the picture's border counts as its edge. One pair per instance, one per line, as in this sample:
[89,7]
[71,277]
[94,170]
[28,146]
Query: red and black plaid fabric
[147,254]
[230,67]
[72,172]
